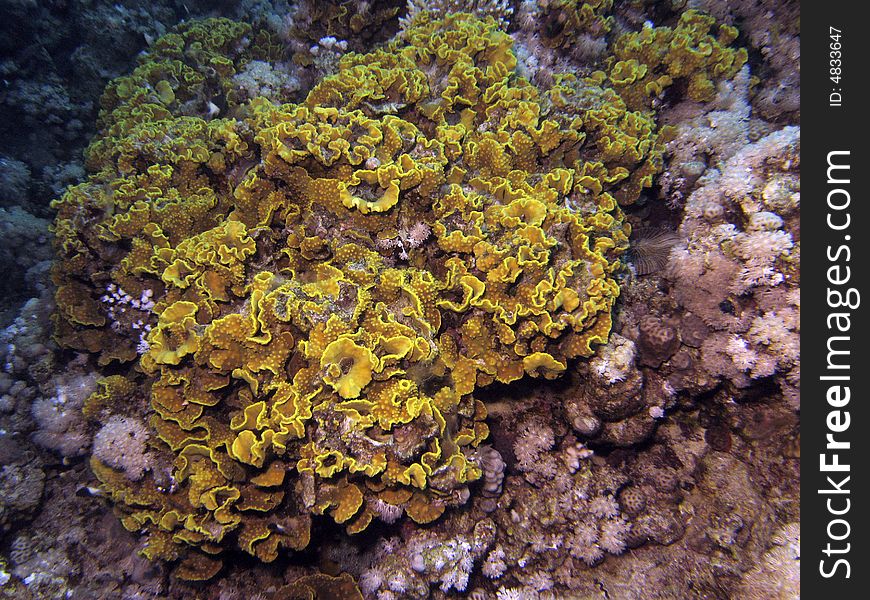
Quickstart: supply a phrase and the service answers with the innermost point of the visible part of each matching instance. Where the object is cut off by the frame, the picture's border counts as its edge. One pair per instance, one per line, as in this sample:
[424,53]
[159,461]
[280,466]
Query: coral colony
[458,299]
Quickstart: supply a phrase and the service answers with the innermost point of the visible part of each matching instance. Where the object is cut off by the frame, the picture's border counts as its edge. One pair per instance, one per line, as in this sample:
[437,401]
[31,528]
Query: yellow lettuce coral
[563,21]
[348,367]
[321,287]
[696,51]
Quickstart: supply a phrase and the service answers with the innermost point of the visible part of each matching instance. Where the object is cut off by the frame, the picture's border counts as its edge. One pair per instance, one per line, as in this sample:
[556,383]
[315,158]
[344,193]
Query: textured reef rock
[25,255]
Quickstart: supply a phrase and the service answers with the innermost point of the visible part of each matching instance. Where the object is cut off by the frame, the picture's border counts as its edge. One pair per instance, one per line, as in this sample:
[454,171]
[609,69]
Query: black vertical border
[824,129]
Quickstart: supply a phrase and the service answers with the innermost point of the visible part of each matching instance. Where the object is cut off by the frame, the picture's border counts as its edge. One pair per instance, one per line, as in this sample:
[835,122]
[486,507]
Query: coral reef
[561,36]
[511,297]
[57,534]
[121,443]
[703,135]
[778,576]
[361,25]
[21,485]
[566,22]
[61,425]
[15,181]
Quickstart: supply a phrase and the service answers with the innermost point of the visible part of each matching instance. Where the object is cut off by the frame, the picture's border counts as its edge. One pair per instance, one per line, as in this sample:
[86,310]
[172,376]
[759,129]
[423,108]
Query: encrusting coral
[234,259]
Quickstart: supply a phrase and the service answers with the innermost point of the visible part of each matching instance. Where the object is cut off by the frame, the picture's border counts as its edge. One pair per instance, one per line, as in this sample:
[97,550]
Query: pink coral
[122,444]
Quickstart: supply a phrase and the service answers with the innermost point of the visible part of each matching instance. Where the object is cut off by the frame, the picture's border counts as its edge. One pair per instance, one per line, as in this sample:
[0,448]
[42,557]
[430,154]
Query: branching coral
[404,568]
[562,519]
[739,272]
